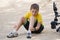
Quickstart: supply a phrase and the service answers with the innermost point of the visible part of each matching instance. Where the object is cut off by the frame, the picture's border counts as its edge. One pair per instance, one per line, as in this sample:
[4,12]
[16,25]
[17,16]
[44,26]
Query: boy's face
[34,12]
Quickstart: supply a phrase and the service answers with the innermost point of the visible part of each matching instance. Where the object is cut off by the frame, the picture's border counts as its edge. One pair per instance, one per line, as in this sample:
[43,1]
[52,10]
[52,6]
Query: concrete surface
[12,10]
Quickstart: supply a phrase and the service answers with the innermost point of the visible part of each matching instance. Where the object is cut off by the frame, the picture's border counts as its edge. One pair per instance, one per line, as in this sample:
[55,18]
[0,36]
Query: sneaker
[11,35]
[28,35]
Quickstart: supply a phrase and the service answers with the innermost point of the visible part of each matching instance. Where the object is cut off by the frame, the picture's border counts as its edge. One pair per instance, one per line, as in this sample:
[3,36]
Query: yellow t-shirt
[38,17]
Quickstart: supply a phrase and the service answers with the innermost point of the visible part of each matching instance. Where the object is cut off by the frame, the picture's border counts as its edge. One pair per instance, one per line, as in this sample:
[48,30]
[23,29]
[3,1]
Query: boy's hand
[37,28]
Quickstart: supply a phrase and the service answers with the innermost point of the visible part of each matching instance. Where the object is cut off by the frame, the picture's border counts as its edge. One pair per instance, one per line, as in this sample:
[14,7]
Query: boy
[32,21]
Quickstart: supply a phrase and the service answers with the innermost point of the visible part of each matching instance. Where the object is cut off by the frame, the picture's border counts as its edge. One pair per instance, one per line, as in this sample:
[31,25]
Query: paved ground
[12,10]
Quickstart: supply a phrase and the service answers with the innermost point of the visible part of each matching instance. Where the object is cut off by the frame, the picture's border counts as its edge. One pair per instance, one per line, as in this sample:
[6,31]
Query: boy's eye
[34,11]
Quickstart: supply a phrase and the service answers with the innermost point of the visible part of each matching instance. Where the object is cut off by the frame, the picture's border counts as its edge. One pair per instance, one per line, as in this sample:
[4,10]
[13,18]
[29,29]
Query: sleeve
[40,18]
[26,15]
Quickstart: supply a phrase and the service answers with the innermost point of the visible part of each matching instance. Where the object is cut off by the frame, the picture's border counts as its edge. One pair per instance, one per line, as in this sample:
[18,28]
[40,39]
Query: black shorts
[26,25]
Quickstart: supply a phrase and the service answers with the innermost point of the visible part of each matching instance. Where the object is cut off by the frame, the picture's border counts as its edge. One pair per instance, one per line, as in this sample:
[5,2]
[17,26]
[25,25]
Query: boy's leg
[31,26]
[39,30]
[26,25]
[16,28]
[21,22]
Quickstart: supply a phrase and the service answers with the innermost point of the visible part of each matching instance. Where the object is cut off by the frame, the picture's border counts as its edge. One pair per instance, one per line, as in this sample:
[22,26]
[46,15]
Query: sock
[28,31]
[14,31]
[29,34]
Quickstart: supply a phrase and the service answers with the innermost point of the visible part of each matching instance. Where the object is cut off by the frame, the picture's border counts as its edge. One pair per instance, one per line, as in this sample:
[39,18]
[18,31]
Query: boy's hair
[34,6]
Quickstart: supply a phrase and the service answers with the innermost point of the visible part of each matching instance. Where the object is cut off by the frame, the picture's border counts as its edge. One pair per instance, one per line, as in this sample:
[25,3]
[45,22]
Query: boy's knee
[22,19]
[32,18]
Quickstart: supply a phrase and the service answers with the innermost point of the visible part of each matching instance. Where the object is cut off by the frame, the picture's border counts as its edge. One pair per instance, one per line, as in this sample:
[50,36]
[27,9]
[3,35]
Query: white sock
[14,31]
[28,31]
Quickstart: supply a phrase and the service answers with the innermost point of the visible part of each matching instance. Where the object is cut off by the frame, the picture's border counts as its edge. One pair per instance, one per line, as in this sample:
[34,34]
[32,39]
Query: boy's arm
[39,22]
[26,15]
[38,25]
